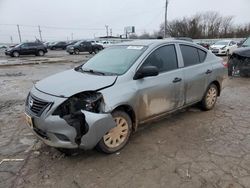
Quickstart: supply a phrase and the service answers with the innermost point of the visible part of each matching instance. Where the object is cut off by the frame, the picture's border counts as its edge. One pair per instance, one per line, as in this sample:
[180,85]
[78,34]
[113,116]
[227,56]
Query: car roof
[153,42]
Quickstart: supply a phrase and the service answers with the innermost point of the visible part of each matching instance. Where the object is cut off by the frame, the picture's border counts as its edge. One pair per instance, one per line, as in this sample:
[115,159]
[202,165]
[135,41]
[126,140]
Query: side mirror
[146,71]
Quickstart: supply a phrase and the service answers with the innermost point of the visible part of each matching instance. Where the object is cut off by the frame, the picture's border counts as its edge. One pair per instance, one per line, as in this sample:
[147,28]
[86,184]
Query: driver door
[162,93]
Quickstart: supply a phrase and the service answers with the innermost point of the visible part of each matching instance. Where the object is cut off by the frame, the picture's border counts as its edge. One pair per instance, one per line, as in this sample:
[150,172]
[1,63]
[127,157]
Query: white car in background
[223,47]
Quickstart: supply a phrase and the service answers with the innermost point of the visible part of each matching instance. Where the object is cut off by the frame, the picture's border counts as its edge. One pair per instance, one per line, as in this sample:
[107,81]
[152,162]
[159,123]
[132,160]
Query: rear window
[190,55]
[202,55]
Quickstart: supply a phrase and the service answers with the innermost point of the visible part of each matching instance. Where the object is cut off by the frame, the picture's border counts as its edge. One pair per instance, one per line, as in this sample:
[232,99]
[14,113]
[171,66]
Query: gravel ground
[189,149]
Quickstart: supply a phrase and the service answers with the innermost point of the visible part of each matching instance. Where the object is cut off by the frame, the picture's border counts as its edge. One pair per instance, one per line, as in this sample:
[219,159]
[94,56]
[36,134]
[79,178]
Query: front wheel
[116,138]
[76,51]
[41,53]
[96,50]
[210,98]
[15,54]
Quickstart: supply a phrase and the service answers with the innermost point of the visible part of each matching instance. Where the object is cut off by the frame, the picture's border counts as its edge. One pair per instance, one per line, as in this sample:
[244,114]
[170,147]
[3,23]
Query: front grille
[36,105]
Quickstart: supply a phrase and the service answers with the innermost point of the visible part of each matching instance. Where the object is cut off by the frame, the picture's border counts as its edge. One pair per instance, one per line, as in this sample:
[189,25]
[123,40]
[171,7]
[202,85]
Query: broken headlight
[89,101]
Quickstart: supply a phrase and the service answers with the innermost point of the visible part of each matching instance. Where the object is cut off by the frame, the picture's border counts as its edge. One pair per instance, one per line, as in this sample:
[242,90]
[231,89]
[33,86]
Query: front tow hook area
[77,120]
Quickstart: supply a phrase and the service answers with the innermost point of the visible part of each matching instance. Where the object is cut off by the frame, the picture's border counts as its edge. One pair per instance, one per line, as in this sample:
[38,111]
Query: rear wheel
[117,137]
[210,98]
[15,54]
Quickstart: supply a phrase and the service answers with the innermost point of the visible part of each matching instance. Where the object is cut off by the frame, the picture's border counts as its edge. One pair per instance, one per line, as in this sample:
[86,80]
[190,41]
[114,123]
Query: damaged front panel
[78,121]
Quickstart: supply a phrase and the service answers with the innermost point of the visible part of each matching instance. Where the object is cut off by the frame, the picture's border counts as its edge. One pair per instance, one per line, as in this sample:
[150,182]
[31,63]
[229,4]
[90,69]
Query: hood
[71,82]
[218,46]
[244,52]
[71,45]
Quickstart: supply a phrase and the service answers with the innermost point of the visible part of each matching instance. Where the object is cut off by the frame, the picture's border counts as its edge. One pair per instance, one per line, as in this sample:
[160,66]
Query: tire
[15,54]
[40,53]
[96,50]
[209,100]
[76,51]
[117,137]
[70,53]
[91,52]
[53,48]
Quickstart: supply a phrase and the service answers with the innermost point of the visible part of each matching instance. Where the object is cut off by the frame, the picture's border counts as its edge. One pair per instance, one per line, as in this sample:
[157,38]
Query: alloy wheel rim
[211,97]
[116,136]
[16,54]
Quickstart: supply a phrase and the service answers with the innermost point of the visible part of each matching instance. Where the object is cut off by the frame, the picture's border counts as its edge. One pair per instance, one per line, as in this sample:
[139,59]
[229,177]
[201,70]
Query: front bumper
[70,50]
[57,132]
[7,53]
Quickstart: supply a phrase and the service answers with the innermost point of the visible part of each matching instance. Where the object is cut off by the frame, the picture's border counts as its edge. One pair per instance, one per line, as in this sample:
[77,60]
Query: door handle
[177,80]
[209,71]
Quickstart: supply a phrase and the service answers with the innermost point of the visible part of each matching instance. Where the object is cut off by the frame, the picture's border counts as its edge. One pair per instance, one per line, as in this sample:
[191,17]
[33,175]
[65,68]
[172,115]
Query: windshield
[114,60]
[79,42]
[19,45]
[221,43]
[247,42]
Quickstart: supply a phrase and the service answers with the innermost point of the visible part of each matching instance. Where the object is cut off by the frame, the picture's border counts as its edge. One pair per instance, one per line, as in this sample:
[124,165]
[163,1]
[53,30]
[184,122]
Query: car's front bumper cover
[57,132]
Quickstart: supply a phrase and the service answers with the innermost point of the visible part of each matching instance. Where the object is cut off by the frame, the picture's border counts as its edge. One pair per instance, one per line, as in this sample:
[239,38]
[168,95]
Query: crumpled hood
[217,46]
[244,52]
[71,82]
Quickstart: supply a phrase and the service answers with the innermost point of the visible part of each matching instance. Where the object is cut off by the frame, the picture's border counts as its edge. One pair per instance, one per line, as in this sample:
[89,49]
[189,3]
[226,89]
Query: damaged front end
[84,113]
[239,63]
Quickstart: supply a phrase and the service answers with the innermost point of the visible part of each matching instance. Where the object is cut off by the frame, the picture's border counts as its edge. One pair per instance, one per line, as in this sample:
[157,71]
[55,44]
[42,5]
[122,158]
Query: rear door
[162,93]
[196,72]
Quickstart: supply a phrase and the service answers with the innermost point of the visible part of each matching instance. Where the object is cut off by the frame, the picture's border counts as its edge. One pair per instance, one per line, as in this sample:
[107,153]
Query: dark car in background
[58,45]
[84,46]
[239,62]
[27,48]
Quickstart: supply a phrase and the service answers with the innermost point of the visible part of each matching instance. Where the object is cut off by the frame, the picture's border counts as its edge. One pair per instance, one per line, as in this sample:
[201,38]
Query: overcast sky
[59,19]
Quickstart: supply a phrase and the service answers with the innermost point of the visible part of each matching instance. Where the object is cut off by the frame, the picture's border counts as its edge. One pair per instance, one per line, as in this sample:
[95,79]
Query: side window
[24,45]
[164,58]
[202,55]
[190,55]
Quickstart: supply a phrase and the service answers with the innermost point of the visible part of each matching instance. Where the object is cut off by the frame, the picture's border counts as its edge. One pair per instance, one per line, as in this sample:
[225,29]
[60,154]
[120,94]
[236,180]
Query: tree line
[207,25]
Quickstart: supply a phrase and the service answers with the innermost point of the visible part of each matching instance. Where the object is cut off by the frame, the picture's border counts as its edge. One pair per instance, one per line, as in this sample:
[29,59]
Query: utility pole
[166,19]
[19,34]
[11,39]
[107,30]
[40,33]
[110,32]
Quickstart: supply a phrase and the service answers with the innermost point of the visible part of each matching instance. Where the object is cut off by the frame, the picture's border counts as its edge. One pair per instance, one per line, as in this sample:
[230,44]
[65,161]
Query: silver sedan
[100,103]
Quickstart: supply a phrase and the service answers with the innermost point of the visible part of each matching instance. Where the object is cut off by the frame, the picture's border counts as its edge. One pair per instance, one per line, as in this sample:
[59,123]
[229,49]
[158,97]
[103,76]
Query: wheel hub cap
[116,136]
[211,97]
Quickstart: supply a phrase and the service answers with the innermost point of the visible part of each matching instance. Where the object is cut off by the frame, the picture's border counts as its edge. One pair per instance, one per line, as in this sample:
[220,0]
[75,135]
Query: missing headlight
[89,101]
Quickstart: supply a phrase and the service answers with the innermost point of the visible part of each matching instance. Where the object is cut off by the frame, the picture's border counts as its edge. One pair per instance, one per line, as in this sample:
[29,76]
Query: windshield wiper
[89,71]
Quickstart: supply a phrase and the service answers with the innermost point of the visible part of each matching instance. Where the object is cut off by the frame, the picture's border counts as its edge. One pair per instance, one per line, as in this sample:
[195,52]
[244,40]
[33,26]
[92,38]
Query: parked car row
[40,49]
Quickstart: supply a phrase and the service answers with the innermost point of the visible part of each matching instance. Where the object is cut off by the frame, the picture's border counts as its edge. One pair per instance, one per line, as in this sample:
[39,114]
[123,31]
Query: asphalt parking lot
[190,149]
